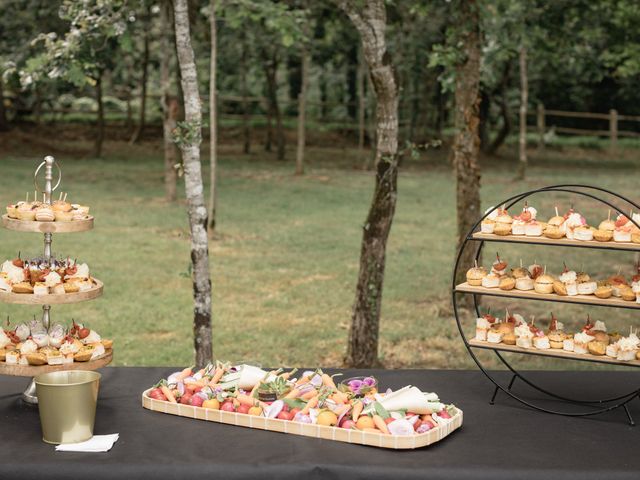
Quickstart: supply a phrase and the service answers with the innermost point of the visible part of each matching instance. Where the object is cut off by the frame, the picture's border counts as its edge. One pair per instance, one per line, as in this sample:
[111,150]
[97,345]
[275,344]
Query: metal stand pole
[29,395]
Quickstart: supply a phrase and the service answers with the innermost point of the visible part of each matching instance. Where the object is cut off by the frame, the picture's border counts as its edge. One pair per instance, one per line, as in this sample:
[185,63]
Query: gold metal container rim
[45,379]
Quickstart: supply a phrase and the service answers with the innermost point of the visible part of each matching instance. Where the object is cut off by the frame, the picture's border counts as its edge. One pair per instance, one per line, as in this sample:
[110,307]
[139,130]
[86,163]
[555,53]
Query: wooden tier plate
[47,227]
[308,430]
[561,242]
[51,299]
[552,297]
[552,352]
[32,371]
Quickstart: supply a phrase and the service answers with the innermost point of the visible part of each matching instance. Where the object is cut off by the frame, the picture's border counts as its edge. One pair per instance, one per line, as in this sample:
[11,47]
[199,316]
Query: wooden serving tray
[550,297]
[47,227]
[552,352]
[53,299]
[307,430]
[560,242]
[32,371]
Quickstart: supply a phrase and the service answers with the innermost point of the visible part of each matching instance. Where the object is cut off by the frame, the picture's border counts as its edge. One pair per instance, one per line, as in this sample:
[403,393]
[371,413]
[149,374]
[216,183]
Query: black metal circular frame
[587,407]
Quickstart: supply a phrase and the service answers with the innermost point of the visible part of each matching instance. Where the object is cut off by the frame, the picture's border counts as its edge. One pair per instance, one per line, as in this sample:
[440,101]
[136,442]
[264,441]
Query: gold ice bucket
[67,404]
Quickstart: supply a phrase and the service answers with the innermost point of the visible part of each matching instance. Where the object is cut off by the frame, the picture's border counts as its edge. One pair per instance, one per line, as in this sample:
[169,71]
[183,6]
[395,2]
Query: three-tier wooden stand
[576,407]
[48,229]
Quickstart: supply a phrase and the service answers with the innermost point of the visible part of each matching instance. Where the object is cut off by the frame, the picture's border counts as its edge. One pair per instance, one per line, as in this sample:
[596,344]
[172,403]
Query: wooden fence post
[613,130]
[541,125]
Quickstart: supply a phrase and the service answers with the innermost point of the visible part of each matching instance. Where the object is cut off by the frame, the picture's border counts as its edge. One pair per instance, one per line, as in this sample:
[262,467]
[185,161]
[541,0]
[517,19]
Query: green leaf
[380,410]
[294,403]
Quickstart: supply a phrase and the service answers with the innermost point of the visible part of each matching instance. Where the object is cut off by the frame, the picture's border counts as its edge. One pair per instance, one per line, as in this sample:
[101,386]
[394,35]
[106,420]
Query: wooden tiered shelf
[32,371]
[53,299]
[47,227]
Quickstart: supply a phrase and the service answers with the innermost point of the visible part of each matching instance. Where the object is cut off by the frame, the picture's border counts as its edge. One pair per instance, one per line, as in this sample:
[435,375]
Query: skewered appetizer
[32,344]
[311,398]
[39,277]
[59,211]
[568,283]
[592,339]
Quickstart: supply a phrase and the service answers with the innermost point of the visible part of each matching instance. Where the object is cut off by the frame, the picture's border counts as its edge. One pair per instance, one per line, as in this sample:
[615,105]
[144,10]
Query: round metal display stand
[573,407]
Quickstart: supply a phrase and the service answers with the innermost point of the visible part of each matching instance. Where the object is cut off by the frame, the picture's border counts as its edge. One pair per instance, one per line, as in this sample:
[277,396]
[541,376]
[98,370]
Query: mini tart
[560,288]
[71,287]
[22,287]
[502,229]
[553,232]
[84,354]
[36,359]
[603,235]
[509,338]
[62,216]
[60,206]
[107,344]
[507,283]
[544,284]
[604,291]
[475,276]
[627,294]
[596,347]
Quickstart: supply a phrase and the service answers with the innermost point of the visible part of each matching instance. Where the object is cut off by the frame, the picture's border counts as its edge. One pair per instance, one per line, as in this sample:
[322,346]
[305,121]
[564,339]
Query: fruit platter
[32,348]
[310,403]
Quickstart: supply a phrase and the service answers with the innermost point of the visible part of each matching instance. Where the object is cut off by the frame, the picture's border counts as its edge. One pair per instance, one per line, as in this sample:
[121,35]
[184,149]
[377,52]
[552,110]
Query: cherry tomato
[284,415]
[242,408]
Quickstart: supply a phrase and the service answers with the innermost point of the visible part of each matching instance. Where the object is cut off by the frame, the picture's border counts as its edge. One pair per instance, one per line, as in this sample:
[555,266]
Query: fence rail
[613,117]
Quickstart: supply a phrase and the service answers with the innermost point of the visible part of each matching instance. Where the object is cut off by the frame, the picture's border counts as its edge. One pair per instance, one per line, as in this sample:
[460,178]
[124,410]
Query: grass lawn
[285,259]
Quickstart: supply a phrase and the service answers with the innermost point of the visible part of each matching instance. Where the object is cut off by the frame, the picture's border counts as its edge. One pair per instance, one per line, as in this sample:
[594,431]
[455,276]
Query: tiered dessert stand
[48,229]
[577,407]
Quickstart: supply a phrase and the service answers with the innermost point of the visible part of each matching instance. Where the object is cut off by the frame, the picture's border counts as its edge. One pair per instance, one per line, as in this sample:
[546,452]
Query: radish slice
[275,408]
[173,378]
[400,427]
[180,387]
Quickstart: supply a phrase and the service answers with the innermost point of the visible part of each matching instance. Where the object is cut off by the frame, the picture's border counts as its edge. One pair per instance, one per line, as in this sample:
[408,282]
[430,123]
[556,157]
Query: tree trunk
[505,128]
[324,94]
[302,107]
[362,103]
[246,125]
[213,121]
[4,123]
[170,106]
[524,99]
[97,148]
[352,81]
[271,71]
[143,91]
[370,21]
[467,142]
[190,146]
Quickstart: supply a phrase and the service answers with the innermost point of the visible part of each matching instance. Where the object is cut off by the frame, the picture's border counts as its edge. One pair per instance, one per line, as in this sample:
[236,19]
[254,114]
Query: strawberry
[83,332]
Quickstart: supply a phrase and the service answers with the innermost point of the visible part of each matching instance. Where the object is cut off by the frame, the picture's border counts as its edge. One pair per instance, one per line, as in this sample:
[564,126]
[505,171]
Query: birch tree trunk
[467,142]
[524,99]
[213,120]
[302,107]
[190,147]
[370,21]
[143,90]
[97,146]
[170,106]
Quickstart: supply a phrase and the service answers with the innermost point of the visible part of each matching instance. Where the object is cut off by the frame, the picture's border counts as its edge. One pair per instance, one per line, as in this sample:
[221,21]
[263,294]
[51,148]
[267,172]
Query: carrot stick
[357,410]
[287,375]
[340,397]
[293,393]
[310,394]
[184,374]
[380,425]
[310,404]
[247,400]
[341,409]
[303,380]
[217,375]
[167,393]
[328,381]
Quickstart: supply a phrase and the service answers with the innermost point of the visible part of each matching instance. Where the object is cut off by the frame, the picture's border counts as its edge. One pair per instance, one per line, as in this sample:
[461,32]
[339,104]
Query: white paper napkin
[98,443]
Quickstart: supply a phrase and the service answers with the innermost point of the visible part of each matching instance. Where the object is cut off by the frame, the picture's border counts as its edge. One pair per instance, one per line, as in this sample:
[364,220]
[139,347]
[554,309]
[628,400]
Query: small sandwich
[36,359]
[624,229]
[54,357]
[40,288]
[560,288]
[617,282]
[524,336]
[489,222]
[503,223]
[64,216]
[556,221]
[491,281]
[544,284]
[499,266]
[12,357]
[524,283]
[597,348]
[475,275]
[22,287]
[605,230]
[44,213]
[71,287]
[84,354]
[587,288]
[581,342]
[556,334]
[627,293]
[535,270]
[483,324]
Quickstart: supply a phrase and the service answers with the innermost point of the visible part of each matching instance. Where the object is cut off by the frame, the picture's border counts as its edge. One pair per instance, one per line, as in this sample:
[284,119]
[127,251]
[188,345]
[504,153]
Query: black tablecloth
[504,441]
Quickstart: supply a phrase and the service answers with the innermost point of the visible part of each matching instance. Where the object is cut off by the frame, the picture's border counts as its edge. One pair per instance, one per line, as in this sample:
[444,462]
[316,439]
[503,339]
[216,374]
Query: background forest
[97,84]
